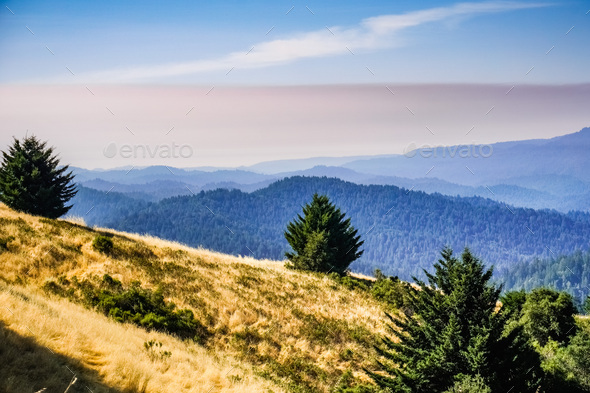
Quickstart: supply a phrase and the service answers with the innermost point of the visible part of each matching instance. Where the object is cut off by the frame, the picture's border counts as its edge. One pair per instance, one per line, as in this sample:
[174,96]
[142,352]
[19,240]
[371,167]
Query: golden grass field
[271,329]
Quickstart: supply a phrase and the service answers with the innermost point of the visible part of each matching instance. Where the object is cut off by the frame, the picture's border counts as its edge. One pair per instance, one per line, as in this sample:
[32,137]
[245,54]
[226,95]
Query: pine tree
[31,180]
[452,330]
[322,240]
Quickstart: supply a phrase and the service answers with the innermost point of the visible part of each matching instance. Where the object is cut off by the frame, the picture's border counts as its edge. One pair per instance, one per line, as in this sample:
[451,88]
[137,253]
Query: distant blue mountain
[497,163]
[540,174]
[164,173]
[302,164]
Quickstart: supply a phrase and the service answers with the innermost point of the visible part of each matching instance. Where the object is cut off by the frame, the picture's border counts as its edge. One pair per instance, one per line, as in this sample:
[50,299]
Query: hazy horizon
[310,158]
[242,126]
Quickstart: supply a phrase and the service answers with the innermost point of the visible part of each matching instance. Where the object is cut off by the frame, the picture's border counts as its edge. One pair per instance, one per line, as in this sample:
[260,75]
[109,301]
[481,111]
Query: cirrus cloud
[370,34]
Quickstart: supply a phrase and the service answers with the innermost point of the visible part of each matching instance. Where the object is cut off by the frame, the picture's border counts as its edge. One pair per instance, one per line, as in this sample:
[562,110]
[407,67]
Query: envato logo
[461,151]
[146,151]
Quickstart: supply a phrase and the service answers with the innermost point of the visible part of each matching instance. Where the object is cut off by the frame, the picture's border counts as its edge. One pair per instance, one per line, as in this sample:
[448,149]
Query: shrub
[567,368]
[53,287]
[137,305]
[144,307]
[391,290]
[469,384]
[103,244]
[577,354]
[347,354]
[349,282]
[549,314]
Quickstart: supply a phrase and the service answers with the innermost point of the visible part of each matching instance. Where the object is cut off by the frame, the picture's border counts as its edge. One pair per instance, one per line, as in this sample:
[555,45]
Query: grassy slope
[270,328]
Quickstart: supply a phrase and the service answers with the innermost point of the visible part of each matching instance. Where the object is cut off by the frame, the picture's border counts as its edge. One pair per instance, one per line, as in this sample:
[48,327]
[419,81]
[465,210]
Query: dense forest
[570,273]
[403,230]
[100,207]
[560,192]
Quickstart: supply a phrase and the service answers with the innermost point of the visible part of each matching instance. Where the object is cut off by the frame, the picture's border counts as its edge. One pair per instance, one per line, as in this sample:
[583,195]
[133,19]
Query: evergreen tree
[322,240]
[31,180]
[512,303]
[453,330]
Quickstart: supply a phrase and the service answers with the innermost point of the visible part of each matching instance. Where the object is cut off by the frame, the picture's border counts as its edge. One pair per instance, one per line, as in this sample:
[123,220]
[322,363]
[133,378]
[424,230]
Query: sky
[230,83]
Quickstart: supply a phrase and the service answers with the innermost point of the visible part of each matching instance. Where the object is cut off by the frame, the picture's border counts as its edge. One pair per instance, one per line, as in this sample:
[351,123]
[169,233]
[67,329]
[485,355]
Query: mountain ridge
[537,173]
[404,230]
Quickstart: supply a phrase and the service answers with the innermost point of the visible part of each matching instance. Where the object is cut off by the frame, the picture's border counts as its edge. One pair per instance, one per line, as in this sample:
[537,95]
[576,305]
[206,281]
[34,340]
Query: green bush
[469,384]
[349,282]
[347,354]
[549,314]
[577,354]
[391,290]
[53,287]
[388,289]
[103,244]
[143,307]
[567,368]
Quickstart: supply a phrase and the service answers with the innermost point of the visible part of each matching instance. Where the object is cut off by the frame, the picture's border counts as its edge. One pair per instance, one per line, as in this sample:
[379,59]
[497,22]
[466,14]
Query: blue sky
[238,83]
[187,42]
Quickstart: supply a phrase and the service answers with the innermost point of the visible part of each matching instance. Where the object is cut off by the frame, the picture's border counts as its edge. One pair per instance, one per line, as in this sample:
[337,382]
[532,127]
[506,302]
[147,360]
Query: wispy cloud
[370,34]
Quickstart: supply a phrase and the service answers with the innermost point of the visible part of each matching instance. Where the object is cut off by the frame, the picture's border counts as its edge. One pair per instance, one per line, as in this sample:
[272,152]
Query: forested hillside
[101,207]
[569,273]
[403,230]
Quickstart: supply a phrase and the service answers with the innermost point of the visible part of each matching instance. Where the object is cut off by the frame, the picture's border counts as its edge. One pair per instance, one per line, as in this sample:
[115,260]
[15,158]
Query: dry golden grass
[75,220]
[296,329]
[49,337]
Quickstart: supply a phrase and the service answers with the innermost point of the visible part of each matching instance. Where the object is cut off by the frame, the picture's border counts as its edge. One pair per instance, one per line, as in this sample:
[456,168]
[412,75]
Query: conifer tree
[31,180]
[453,330]
[323,240]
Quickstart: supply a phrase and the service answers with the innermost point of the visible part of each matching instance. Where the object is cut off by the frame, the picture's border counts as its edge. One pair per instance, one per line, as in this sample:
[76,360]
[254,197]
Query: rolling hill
[262,327]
